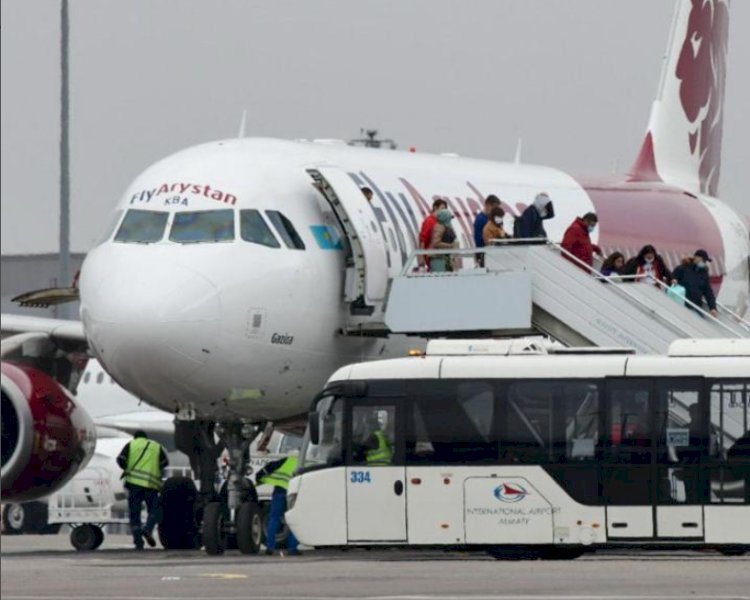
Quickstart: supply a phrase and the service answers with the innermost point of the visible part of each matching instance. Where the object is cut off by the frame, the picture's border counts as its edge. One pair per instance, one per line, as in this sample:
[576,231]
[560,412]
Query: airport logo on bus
[510,492]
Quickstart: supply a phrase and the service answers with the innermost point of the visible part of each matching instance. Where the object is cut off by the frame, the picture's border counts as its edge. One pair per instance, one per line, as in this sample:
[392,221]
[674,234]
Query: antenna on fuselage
[519,146]
[241,132]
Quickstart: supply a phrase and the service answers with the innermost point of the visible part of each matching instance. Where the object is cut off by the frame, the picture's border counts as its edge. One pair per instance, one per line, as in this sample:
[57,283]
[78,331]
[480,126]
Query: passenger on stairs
[480,221]
[648,266]
[425,233]
[613,265]
[577,240]
[693,276]
[530,223]
[493,229]
[443,238]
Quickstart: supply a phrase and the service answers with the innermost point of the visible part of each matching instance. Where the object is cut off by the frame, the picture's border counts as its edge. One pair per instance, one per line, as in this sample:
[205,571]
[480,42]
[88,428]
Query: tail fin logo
[701,69]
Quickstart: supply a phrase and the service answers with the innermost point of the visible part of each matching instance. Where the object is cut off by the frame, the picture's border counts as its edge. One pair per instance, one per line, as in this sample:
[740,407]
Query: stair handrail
[496,244]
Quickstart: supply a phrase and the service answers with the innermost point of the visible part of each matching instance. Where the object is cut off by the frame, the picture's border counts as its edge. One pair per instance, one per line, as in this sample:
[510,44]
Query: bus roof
[468,359]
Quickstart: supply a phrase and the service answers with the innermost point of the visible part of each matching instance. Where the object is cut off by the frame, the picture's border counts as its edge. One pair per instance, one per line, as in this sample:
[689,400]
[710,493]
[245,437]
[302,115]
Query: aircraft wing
[56,346]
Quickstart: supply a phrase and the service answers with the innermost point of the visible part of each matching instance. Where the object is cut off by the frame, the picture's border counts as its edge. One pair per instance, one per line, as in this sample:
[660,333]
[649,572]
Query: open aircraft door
[367,261]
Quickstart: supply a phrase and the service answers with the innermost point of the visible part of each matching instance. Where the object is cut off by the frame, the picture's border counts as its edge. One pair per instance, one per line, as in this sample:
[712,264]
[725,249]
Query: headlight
[290,500]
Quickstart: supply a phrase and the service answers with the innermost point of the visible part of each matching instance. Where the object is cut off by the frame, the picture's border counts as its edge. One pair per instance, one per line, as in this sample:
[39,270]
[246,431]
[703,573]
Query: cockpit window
[254,229]
[286,230]
[203,226]
[142,226]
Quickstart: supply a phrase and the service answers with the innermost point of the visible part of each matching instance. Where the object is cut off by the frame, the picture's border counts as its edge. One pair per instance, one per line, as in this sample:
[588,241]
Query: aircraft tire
[25,517]
[214,528]
[86,538]
[282,535]
[249,525]
[14,519]
[178,529]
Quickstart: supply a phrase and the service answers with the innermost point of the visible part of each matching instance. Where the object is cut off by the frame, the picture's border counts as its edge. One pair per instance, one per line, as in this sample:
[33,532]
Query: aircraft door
[367,263]
[375,473]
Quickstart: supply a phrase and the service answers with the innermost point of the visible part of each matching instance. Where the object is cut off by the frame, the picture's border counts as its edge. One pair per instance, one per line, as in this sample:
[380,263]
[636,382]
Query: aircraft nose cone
[152,323]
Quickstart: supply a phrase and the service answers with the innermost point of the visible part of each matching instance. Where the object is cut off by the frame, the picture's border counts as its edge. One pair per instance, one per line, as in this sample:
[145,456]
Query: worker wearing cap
[694,278]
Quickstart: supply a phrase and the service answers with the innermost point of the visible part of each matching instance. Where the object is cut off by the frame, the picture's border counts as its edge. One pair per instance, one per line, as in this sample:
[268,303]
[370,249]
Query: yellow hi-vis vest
[143,467]
[383,454]
[283,475]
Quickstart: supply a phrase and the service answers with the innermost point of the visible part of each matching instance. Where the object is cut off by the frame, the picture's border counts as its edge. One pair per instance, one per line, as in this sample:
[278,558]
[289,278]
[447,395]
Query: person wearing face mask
[648,266]
[443,238]
[693,276]
[577,240]
[493,229]
[530,223]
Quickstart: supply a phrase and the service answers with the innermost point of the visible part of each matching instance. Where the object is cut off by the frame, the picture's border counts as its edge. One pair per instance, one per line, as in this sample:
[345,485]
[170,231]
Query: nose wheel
[249,526]
[215,528]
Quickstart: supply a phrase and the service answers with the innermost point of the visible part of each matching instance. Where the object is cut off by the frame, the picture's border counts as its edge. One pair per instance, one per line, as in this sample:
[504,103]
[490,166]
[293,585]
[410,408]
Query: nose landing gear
[235,521]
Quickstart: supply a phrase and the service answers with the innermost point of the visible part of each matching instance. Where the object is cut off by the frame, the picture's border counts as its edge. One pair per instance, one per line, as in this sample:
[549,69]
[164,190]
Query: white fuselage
[239,329]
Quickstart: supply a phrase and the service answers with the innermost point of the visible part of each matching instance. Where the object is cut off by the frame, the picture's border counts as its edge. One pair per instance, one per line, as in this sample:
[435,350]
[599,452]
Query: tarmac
[47,567]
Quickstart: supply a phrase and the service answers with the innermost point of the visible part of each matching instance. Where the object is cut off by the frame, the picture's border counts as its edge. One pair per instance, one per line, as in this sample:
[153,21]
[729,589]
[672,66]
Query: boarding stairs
[536,287]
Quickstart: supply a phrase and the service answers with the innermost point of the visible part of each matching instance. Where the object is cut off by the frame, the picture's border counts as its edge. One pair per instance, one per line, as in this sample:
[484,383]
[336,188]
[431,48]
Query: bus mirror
[313,425]
[354,389]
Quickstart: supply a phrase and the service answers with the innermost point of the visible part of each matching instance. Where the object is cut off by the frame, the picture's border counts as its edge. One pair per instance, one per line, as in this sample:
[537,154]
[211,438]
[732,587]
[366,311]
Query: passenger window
[254,229]
[142,226]
[451,423]
[286,230]
[203,226]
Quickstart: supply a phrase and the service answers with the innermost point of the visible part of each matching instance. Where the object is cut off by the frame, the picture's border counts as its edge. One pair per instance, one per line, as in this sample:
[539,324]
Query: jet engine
[46,436]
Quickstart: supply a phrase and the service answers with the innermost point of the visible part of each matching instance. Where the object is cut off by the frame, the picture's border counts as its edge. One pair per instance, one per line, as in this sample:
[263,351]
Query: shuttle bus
[523,450]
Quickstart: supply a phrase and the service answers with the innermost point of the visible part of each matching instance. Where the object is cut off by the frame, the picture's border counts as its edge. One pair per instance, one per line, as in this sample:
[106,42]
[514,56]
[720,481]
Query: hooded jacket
[529,224]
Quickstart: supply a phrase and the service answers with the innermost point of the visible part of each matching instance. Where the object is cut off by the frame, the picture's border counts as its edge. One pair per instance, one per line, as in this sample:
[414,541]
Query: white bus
[522,450]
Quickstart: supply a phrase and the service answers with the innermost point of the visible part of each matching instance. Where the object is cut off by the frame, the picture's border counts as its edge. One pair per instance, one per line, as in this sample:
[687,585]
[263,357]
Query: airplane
[226,289]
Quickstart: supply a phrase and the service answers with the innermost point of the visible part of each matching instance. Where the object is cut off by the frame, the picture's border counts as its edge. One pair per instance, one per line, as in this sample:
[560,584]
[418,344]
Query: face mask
[543,213]
[649,260]
[591,228]
[700,265]
[498,220]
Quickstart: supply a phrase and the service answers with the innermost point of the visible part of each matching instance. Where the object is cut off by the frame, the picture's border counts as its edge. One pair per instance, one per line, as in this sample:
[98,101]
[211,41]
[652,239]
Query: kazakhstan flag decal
[327,237]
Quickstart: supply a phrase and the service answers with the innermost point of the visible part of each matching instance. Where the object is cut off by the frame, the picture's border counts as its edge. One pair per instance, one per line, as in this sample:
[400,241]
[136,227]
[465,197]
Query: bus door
[375,472]
[654,443]
[682,449]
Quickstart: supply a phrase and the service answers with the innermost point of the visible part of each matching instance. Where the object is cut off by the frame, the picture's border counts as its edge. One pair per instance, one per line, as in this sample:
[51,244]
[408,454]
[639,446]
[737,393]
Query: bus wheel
[732,551]
[249,527]
[553,553]
[214,528]
[15,519]
[85,538]
[514,553]
[177,527]
[283,533]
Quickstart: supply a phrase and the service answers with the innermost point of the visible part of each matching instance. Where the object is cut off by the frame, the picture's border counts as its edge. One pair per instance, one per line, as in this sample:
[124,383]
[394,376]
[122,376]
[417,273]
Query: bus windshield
[328,451]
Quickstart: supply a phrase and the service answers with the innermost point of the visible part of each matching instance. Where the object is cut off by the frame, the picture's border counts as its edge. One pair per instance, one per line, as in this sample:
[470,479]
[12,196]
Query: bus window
[729,472]
[373,435]
[451,422]
[142,226]
[328,451]
[203,226]
[628,476]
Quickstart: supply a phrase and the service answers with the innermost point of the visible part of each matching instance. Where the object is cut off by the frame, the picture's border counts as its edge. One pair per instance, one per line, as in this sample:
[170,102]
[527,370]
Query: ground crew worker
[379,450]
[143,461]
[278,473]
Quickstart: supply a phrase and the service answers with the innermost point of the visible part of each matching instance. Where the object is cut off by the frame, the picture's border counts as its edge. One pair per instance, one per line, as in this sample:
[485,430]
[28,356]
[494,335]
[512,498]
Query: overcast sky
[574,78]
